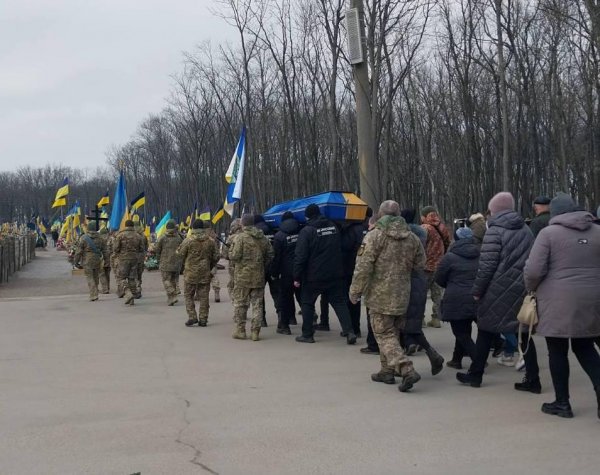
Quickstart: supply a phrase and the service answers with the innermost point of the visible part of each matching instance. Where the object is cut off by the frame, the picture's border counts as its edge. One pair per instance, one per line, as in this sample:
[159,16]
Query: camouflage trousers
[170,282]
[105,280]
[140,272]
[243,298]
[127,276]
[92,275]
[230,283]
[215,283]
[200,291]
[386,329]
[436,294]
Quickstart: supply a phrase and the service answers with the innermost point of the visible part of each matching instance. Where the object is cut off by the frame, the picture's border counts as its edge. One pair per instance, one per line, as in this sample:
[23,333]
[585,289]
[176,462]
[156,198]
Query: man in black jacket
[282,270]
[352,237]
[318,270]
[541,207]
[260,223]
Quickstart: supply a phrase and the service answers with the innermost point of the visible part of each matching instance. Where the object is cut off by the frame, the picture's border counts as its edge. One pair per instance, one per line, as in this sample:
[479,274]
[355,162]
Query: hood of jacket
[290,226]
[432,219]
[465,248]
[507,219]
[579,220]
[394,226]
[172,232]
[263,227]
[254,232]
[198,235]
[418,231]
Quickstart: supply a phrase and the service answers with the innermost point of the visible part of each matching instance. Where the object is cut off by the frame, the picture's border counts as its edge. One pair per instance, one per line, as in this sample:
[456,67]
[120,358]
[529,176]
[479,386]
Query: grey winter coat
[499,283]
[564,271]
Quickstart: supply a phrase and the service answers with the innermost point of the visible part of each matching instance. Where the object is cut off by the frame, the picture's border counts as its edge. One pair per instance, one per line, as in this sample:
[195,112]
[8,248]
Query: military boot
[409,378]
[203,322]
[129,298]
[191,322]
[217,295]
[172,300]
[239,333]
[255,334]
[434,323]
[436,360]
[383,377]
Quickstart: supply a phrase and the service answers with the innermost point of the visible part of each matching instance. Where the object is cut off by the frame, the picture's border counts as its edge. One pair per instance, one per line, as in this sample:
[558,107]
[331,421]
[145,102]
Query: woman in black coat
[456,273]
[499,288]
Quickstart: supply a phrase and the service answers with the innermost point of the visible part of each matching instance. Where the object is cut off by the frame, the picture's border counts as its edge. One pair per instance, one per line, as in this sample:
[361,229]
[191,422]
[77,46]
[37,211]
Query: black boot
[284,331]
[529,385]
[558,408]
[456,364]
[387,378]
[436,360]
[351,338]
[468,378]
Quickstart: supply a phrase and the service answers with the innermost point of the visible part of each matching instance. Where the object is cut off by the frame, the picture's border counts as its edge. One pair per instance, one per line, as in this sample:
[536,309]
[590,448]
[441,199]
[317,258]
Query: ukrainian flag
[61,195]
[161,227]
[119,209]
[204,214]
[104,201]
[235,174]
[138,202]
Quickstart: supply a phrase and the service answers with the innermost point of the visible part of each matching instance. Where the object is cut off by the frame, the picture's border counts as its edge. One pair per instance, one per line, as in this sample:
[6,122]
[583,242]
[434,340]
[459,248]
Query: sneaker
[305,339]
[369,351]
[468,378]
[408,381]
[351,338]
[556,408]
[531,386]
[520,366]
[387,378]
[505,360]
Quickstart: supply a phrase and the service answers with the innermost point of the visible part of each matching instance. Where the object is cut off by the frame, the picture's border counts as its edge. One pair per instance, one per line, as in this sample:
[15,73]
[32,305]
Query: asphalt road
[101,388]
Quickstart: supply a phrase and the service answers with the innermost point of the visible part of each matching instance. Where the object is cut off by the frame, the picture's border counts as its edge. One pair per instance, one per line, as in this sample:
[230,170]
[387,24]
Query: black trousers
[464,345]
[274,291]
[558,354]
[286,304]
[415,339]
[354,309]
[483,345]
[334,293]
[371,341]
[324,306]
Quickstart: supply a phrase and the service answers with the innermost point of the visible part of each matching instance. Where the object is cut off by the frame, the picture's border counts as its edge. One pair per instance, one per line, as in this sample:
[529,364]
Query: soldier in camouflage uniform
[141,259]
[105,270]
[114,261]
[199,254]
[169,262]
[90,252]
[128,247]
[251,254]
[215,283]
[234,228]
[387,257]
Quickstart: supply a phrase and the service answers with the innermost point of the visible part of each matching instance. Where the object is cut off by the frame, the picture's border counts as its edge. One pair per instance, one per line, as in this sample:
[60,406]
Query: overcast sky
[77,76]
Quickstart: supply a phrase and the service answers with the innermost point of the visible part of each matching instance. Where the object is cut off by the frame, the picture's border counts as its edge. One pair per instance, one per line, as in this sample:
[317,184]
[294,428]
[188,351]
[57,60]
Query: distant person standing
[169,262]
[199,254]
[90,252]
[252,254]
[141,259]
[541,208]
[128,247]
[318,270]
[437,244]
[55,237]
[388,256]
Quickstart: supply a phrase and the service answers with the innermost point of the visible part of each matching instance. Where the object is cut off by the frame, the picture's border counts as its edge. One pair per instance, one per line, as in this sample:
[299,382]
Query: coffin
[336,205]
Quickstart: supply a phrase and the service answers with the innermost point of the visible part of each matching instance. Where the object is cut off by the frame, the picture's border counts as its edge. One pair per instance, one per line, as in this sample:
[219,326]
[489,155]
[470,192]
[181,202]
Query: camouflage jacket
[166,251]
[128,245]
[142,255]
[109,245]
[199,254]
[386,258]
[225,251]
[86,255]
[251,254]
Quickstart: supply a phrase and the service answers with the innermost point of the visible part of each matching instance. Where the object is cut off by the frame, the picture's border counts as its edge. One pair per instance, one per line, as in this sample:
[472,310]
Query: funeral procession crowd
[486,272]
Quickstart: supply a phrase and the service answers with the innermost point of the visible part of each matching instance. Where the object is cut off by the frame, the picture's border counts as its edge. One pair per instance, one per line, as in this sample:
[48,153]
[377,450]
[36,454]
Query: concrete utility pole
[369,171]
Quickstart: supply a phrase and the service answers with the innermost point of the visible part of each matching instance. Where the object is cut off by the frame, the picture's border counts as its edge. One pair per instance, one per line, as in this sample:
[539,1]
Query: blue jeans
[511,343]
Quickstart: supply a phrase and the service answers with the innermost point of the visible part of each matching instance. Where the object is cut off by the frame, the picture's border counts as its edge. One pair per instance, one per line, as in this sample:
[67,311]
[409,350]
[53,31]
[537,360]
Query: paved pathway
[103,389]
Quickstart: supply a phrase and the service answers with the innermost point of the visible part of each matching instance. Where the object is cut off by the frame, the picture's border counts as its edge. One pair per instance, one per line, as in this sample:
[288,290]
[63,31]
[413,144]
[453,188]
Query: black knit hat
[312,211]
[198,224]
[542,200]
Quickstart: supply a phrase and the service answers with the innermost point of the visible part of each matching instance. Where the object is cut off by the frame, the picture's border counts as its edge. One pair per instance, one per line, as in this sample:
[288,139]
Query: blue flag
[119,204]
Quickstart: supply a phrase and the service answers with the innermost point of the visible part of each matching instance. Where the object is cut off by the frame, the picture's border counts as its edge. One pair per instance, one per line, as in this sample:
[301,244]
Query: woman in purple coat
[564,270]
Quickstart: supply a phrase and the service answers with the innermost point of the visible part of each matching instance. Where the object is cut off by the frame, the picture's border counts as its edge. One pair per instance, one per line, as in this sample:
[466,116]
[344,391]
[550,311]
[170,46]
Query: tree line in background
[468,97]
